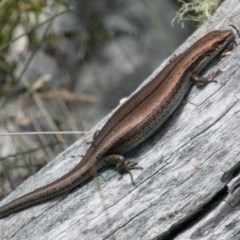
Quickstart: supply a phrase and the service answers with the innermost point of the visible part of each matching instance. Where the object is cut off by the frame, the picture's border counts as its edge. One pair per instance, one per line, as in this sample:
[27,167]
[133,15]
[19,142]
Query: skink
[137,119]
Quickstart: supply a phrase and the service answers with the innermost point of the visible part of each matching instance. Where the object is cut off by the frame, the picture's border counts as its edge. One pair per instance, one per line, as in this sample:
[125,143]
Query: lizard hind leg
[121,166]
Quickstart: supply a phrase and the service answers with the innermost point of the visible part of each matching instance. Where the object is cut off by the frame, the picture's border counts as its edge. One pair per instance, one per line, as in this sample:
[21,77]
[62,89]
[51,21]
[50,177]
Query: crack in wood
[195,217]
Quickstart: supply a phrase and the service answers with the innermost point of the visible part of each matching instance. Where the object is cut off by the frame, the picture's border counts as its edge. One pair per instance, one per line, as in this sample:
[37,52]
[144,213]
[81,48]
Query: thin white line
[38,133]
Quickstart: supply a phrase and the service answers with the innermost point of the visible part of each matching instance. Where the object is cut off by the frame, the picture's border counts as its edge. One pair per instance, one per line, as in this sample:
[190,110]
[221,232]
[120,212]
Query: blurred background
[64,65]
